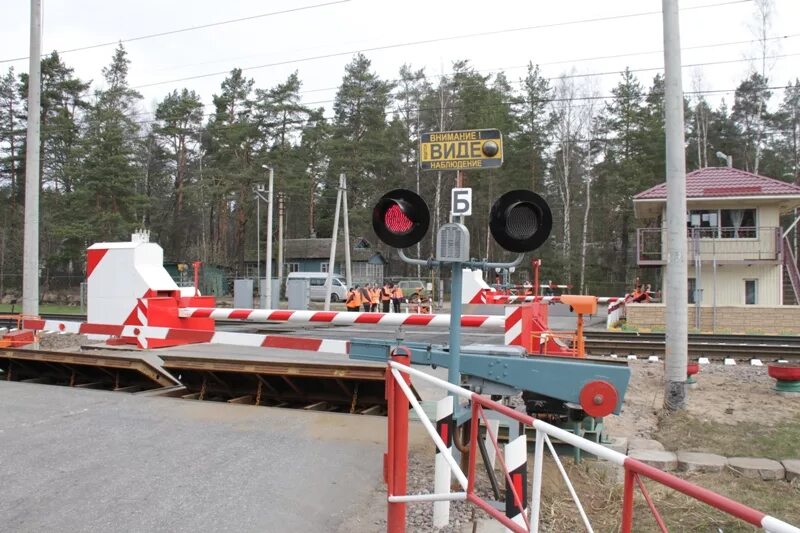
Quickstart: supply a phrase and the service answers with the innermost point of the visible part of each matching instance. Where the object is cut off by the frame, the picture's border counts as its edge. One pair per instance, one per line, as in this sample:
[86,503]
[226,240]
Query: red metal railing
[400,396]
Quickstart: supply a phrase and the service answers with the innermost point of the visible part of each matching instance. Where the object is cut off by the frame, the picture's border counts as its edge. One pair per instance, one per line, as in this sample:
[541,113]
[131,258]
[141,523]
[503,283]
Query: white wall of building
[730,283]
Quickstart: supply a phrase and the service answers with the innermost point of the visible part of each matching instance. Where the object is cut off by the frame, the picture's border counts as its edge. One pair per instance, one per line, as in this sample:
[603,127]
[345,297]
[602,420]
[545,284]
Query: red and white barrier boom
[476,291]
[340,318]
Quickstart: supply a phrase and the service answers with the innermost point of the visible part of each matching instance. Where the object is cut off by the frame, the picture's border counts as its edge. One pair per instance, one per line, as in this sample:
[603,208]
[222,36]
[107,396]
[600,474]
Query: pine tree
[536,126]
[104,200]
[232,166]
[12,135]
[750,115]
[361,143]
[178,131]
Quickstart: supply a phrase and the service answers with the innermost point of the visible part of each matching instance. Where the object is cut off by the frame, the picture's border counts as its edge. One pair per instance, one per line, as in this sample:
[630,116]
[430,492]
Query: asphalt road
[95,461]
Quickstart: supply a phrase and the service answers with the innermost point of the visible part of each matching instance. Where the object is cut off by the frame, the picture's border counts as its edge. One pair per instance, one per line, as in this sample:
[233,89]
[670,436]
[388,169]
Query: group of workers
[368,296]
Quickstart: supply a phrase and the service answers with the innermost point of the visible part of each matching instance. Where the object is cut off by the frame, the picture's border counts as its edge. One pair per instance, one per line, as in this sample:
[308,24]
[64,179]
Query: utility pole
[258,243]
[347,265]
[268,288]
[334,235]
[676,345]
[30,254]
[281,212]
[263,302]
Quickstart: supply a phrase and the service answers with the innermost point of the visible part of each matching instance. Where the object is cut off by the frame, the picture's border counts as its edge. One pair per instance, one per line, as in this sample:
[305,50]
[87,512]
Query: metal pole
[714,303]
[454,371]
[268,288]
[334,234]
[281,212]
[347,264]
[30,254]
[397,454]
[258,249]
[676,346]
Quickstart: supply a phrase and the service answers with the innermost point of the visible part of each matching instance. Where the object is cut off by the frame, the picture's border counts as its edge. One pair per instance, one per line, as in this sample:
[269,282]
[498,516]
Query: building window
[722,223]
[738,223]
[292,267]
[692,287]
[323,267]
[750,292]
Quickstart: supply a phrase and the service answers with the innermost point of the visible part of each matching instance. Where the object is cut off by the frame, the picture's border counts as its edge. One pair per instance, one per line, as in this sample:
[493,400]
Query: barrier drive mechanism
[520,513]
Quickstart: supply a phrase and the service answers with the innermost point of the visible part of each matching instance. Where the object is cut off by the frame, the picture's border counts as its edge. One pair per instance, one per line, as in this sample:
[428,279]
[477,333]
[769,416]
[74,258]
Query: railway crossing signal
[520,221]
[401,218]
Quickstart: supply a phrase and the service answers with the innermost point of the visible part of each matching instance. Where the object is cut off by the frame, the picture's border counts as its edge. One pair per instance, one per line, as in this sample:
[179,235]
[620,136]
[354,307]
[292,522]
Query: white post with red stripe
[445,425]
[516,459]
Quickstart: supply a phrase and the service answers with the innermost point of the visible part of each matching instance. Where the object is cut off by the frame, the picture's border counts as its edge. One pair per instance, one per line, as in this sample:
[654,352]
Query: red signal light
[400,218]
[396,221]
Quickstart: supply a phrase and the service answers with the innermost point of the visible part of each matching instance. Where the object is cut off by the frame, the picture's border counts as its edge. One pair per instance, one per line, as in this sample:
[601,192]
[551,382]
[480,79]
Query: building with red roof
[738,253]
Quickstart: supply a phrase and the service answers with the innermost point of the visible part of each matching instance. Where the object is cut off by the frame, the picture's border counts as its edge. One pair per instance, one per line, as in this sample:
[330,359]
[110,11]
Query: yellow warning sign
[461,150]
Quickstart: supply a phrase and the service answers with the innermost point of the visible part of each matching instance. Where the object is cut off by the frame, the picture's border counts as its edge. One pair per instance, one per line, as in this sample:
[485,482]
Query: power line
[438,40]
[183,30]
[581,60]
[445,108]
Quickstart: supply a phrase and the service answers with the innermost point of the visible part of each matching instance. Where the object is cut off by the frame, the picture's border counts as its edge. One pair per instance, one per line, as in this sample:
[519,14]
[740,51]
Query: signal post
[520,221]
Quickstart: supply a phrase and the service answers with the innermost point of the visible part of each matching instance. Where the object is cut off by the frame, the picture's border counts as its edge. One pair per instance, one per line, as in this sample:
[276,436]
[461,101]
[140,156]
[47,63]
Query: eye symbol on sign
[490,149]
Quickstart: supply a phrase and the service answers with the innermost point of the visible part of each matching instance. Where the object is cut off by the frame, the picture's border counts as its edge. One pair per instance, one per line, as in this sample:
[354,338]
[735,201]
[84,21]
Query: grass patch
[43,308]
[629,328]
[602,500]
[683,431]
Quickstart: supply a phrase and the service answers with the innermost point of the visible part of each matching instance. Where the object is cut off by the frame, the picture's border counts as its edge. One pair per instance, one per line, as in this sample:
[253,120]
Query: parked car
[316,282]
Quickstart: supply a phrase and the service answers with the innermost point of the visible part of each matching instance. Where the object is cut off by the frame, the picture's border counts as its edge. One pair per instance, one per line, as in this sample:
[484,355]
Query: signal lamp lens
[522,221]
[400,218]
[396,220]
[490,149]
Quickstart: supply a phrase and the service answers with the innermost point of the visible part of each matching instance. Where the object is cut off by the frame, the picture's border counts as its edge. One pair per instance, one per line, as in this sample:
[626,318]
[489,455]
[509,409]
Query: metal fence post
[627,502]
[536,489]
[398,444]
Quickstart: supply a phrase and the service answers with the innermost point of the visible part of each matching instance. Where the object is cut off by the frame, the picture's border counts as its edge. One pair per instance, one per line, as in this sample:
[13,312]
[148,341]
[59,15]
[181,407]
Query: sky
[559,35]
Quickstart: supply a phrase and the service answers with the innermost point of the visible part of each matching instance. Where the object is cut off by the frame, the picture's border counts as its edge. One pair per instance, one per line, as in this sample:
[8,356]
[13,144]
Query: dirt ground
[731,395]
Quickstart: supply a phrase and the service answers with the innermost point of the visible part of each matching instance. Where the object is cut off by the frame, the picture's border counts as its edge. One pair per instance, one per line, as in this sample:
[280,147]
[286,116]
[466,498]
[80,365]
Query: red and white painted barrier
[616,312]
[516,453]
[151,336]
[400,372]
[341,318]
[510,299]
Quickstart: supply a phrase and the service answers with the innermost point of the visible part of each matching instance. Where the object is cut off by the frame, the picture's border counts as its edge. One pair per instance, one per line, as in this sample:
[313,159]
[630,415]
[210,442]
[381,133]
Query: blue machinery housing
[501,369]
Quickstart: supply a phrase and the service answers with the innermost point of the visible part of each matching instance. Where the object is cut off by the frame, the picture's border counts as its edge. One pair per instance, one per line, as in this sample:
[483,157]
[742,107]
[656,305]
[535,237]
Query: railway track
[713,346]
[765,347]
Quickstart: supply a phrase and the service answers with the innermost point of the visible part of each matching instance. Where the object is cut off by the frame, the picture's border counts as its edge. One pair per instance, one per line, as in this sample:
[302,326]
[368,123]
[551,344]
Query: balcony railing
[726,245]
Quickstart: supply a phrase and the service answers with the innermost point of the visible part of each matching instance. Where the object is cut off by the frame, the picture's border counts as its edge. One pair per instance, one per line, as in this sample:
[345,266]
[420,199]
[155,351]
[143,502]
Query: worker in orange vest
[366,298]
[375,297]
[353,302]
[386,296]
[397,297]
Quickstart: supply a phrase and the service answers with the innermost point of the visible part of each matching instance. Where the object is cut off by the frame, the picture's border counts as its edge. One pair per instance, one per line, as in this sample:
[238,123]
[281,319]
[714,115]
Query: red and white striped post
[397,454]
[516,458]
